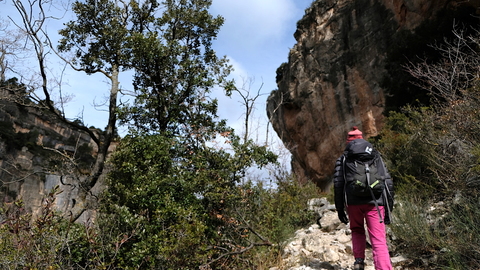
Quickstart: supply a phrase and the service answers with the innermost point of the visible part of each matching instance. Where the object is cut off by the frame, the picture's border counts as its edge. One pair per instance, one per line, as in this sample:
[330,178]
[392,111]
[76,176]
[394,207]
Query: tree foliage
[175,198]
[99,40]
[98,37]
[181,197]
[175,69]
[167,175]
[168,46]
[434,157]
[436,145]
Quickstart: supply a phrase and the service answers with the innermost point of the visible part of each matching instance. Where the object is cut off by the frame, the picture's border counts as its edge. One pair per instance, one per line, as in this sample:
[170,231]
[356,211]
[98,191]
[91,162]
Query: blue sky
[256,37]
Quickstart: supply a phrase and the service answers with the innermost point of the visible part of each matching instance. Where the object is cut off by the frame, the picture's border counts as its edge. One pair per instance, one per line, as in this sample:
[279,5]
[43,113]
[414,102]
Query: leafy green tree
[170,185]
[99,40]
[176,68]
[166,43]
[179,197]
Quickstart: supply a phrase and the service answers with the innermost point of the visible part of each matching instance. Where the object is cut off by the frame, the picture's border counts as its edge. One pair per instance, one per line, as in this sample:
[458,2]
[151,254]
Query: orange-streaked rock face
[334,77]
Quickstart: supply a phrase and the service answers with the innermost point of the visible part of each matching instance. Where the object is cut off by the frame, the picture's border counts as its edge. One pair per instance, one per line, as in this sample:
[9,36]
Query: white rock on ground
[326,245]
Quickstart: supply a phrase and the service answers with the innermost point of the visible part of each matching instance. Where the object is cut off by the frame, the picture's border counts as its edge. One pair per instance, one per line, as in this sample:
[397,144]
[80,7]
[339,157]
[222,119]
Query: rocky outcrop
[343,71]
[38,153]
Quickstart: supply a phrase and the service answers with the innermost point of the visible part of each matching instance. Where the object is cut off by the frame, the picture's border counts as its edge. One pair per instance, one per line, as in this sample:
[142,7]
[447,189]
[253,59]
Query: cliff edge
[346,70]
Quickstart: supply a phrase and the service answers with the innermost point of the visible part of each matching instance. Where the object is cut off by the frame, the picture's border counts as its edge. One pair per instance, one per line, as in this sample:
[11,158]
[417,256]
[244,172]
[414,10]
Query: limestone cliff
[346,69]
[37,153]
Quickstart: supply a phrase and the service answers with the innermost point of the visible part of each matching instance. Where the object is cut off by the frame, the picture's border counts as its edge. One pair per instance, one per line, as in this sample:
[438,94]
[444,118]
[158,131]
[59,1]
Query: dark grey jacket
[342,198]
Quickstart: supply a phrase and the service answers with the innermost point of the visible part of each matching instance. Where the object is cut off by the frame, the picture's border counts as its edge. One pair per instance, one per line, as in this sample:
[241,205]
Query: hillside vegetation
[433,154]
[179,209]
[174,199]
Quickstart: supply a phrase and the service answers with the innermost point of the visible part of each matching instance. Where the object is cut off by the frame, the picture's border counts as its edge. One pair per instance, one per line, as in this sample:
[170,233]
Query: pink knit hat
[354,134]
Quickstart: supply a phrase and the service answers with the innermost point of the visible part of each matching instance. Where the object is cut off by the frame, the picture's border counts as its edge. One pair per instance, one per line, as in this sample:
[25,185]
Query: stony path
[326,245]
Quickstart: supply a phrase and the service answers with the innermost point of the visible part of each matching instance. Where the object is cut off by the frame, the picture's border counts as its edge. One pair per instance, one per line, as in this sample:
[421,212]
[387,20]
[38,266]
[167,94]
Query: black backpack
[364,170]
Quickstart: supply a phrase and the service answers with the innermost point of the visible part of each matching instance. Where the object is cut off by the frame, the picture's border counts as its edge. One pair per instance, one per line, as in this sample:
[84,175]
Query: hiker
[372,207]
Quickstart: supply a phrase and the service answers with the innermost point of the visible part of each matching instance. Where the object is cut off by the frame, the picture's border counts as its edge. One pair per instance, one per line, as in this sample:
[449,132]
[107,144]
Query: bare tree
[10,45]
[248,100]
[451,125]
[457,71]
[33,25]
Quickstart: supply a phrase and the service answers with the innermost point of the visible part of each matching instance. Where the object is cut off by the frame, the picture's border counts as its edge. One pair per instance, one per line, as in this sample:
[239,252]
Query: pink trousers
[358,214]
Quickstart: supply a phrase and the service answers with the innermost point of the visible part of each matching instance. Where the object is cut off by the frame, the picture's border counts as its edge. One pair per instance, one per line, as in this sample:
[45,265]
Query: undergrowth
[47,240]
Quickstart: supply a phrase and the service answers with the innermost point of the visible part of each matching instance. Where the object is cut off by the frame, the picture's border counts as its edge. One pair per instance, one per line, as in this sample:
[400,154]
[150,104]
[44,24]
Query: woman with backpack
[363,187]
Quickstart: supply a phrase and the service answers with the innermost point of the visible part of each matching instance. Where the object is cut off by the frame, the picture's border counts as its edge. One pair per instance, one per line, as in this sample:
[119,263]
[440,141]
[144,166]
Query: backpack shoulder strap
[367,172]
[343,159]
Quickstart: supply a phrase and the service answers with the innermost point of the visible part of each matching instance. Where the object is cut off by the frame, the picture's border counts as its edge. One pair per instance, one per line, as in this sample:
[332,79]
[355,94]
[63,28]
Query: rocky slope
[346,69]
[327,245]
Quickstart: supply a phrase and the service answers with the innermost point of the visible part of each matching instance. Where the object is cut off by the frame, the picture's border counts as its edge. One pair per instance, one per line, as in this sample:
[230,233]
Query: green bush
[42,241]
[433,158]
[413,228]
[447,231]
[425,155]
[276,214]
[281,211]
